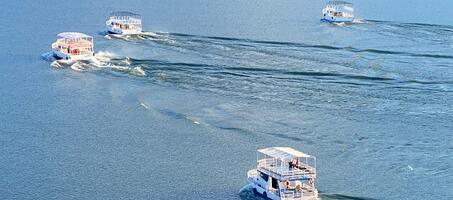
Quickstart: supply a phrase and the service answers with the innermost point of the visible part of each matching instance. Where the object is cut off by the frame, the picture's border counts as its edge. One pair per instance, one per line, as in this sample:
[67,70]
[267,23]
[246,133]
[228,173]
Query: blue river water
[179,113]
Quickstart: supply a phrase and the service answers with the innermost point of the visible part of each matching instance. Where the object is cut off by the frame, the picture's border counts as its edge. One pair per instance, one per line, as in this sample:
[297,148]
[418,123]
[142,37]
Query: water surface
[372,100]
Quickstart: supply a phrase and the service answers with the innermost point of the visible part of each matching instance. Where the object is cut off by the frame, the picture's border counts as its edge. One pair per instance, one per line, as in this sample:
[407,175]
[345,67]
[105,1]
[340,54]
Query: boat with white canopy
[73,46]
[338,11]
[283,173]
[124,23]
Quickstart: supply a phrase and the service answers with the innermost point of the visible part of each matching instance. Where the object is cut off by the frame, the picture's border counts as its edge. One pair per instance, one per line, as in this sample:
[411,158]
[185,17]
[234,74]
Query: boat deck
[286,172]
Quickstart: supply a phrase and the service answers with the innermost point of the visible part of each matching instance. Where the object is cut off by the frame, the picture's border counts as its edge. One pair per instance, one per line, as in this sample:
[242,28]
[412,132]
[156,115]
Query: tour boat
[283,173]
[338,11]
[124,23]
[73,46]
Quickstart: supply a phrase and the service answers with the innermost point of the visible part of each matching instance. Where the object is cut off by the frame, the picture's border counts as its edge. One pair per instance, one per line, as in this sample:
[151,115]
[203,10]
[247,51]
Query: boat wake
[354,22]
[341,24]
[246,193]
[324,75]
[101,61]
[360,21]
[153,36]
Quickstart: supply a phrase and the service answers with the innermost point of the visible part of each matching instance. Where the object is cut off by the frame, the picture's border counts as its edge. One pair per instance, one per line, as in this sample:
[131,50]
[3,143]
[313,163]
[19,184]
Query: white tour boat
[73,46]
[124,23]
[338,11]
[283,173]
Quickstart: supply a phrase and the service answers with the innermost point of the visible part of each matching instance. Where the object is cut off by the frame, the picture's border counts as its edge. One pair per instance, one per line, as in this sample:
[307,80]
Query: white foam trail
[65,62]
[359,21]
[410,167]
[96,62]
[77,67]
[151,34]
[159,36]
[340,24]
[144,105]
[115,67]
[161,76]
[104,56]
[140,37]
[355,21]
[56,64]
[99,60]
[118,36]
[126,61]
[138,71]
[120,68]
[193,120]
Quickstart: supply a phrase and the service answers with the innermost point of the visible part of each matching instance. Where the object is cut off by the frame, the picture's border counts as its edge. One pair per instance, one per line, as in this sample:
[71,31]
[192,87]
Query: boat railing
[82,53]
[338,13]
[125,18]
[75,44]
[74,52]
[304,190]
[124,21]
[346,14]
[126,27]
[285,170]
[83,48]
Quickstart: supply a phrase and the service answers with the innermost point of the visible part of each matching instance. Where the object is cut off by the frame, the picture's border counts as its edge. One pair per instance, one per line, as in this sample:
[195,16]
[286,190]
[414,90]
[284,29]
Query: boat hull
[337,19]
[65,56]
[122,32]
[259,188]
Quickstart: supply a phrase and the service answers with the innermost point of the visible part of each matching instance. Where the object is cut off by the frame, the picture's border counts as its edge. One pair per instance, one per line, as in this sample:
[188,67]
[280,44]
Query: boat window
[274,183]
[264,176]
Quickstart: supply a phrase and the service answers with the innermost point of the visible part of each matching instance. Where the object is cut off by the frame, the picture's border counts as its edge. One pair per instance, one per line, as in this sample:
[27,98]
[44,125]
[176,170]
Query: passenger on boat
[294,164]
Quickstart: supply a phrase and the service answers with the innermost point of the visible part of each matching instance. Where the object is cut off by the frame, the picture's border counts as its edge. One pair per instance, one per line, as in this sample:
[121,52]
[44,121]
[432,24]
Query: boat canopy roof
[283,153]
[124,14]
[341,6]
[339,3]
[73,35]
